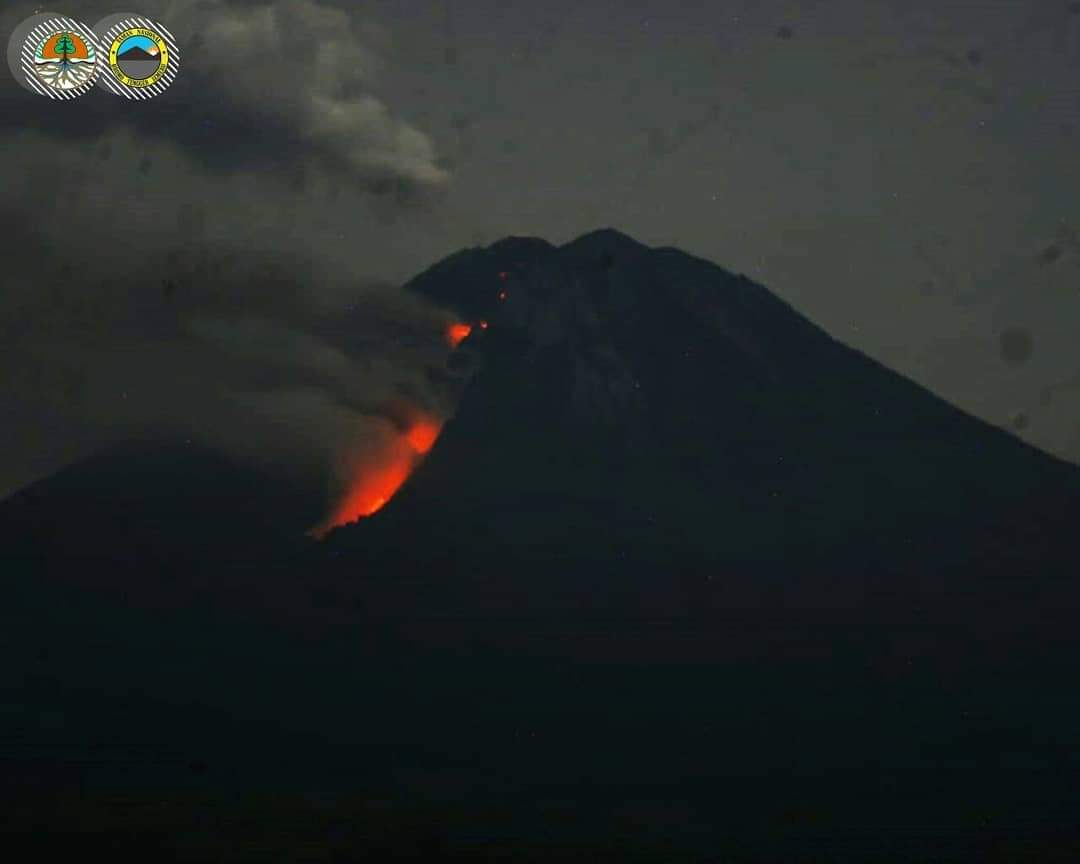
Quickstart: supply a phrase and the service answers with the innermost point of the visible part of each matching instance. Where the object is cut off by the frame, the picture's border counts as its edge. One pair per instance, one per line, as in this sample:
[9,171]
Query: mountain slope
[649,414]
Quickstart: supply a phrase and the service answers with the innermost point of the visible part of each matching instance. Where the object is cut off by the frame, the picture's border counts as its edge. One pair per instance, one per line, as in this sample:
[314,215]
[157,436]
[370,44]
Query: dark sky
[904,173]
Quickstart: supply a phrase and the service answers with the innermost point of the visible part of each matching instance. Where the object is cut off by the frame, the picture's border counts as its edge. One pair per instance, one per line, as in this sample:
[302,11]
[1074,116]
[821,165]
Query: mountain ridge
[677,544]
[659,386]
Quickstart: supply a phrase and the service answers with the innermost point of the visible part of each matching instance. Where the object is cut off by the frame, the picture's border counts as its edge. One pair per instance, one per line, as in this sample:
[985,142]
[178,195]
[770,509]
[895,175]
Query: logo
[142,56]
[139,57]
[55,56]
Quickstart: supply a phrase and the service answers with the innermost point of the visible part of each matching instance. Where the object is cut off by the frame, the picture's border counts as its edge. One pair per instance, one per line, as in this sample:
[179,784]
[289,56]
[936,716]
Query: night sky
[225,258]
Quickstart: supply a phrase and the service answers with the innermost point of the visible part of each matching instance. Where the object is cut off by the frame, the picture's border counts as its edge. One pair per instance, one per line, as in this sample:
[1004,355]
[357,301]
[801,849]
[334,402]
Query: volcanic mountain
[136,52]
[644,425]
[679,560]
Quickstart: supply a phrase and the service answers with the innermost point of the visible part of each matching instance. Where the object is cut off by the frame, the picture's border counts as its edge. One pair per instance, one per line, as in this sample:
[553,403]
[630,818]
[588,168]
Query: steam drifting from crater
[203,265]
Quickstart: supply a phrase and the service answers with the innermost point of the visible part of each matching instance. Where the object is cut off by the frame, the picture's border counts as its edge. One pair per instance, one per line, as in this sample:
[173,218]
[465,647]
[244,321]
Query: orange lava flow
[457,333]
[422,434]
[376,480]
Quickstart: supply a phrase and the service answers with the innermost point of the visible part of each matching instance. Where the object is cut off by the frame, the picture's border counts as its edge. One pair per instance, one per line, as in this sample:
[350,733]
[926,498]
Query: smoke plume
[212,262]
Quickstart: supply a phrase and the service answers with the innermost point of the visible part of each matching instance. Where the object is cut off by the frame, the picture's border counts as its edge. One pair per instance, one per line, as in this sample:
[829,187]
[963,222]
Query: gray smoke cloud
[210,261]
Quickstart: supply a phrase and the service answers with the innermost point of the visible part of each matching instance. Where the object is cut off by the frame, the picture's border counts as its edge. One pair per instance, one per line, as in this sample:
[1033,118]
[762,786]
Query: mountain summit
[643,411]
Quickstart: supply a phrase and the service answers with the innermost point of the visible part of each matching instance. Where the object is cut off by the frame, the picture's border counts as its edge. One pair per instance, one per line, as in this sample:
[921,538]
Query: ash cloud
[208,261]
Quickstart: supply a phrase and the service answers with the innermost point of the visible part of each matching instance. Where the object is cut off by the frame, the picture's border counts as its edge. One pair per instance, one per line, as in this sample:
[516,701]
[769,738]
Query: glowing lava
[457,333]
[422,434]
[378,477]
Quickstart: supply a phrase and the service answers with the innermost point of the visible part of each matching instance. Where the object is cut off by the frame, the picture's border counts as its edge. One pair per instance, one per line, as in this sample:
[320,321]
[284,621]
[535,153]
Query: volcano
[647,415]
[681,565]
[138,53]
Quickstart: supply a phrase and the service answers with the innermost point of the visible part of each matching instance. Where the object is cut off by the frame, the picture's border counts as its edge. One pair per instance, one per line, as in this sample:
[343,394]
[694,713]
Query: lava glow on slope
[457,333]
[422,434]
[379,476]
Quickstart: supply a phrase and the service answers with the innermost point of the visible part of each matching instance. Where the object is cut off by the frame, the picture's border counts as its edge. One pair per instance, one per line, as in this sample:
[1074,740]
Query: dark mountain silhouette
[144,515]
[646,415]
[137,53]
[682,569]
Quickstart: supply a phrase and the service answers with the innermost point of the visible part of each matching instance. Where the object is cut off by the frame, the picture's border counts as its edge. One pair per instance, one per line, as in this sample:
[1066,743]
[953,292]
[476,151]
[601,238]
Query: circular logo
[142,56]
[55,56]
[139,57]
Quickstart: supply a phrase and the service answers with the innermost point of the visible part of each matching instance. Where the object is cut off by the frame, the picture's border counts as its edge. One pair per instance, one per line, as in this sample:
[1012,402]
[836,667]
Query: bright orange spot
[422,434]
[371,487]
[457,333]
[377,479]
